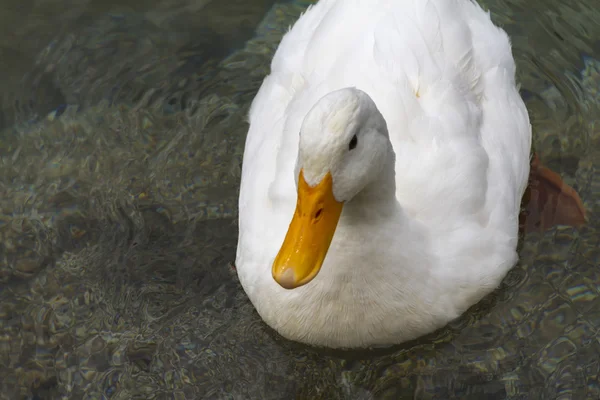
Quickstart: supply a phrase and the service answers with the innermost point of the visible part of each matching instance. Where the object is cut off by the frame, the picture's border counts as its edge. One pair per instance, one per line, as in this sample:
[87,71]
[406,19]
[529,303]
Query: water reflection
[136,53]
[118,219]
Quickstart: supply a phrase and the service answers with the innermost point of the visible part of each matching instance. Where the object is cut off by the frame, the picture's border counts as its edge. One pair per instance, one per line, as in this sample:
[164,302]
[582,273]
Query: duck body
[434,227]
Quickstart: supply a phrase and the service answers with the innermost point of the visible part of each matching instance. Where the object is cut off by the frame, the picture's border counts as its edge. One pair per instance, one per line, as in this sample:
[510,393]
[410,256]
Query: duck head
[344,147]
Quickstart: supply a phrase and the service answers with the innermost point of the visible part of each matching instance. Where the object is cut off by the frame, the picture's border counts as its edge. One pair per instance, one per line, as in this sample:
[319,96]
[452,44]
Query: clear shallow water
[123,130]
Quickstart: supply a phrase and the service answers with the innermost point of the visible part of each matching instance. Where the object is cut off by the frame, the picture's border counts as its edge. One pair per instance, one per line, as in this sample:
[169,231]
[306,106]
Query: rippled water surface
[122,130]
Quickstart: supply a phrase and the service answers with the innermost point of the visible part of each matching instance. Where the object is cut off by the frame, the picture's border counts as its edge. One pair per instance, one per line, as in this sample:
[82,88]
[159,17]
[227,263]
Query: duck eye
[353,142]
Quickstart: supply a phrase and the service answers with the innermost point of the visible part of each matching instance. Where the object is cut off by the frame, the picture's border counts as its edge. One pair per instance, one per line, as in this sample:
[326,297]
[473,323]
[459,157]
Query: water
[122,135]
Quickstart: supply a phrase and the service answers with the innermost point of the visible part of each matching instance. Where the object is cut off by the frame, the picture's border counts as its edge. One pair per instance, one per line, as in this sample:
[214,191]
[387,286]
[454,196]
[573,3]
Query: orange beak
[310,233]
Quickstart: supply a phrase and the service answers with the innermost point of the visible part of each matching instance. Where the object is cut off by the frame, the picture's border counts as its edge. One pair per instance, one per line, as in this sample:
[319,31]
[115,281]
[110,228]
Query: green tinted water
[123,131]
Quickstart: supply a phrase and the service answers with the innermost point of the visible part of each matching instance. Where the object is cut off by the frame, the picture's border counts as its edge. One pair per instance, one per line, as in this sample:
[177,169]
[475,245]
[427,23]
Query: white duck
[392,135]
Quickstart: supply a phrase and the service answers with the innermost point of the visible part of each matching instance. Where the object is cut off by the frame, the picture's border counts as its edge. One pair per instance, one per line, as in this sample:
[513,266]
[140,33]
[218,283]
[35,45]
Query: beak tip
[287,279]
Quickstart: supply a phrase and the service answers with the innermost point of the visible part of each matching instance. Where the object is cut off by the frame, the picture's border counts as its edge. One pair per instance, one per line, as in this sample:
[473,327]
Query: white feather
[443,77]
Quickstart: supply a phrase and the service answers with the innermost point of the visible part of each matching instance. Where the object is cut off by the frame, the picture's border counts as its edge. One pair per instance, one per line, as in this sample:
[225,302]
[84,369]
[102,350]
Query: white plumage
[441,77]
